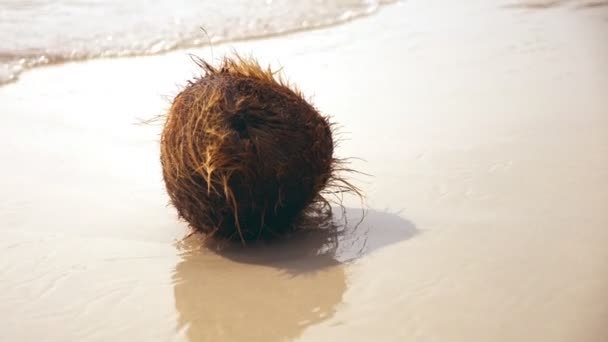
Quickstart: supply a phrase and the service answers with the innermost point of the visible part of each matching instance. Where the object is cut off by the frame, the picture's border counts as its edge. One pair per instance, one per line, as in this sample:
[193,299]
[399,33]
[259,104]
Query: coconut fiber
[244,155]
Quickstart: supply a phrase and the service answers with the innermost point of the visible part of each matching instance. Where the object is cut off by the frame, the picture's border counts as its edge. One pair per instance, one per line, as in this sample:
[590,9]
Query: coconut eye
[239,125]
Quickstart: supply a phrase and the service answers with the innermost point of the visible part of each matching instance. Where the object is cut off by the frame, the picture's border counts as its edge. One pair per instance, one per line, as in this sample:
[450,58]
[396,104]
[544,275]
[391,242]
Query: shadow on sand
[349,234]
[272,291]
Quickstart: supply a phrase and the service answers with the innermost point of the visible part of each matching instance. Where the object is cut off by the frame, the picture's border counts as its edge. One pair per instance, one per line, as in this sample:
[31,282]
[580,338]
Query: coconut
[244,155]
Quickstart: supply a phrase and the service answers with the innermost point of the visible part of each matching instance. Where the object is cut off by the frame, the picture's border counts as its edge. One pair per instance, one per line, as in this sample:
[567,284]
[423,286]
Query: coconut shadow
[272,291]
[349,234]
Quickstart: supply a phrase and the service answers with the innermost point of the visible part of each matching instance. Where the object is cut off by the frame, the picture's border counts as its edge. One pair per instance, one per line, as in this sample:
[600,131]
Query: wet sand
[484,126]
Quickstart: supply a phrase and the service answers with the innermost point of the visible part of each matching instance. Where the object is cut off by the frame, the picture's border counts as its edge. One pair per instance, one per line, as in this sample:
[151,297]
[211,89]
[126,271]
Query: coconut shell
[243,154]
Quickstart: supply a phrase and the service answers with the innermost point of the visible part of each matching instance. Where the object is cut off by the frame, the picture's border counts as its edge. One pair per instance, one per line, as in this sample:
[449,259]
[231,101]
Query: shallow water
[39,32]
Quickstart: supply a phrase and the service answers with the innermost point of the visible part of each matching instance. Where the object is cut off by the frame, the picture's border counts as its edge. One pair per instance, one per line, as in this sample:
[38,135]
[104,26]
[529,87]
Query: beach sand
[484,128]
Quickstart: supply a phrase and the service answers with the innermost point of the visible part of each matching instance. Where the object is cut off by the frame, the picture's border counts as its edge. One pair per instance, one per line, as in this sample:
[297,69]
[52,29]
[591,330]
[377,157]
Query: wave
[26,51]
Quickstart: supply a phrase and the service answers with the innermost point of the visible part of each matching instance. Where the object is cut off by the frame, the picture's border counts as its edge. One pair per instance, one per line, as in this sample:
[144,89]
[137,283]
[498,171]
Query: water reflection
[273,291]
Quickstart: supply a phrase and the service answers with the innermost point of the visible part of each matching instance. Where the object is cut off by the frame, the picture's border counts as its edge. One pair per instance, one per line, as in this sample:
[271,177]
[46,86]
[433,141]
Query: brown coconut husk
[245,156]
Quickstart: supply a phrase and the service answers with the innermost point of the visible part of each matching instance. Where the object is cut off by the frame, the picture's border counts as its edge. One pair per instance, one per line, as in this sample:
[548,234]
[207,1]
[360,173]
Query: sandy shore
[485,127]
